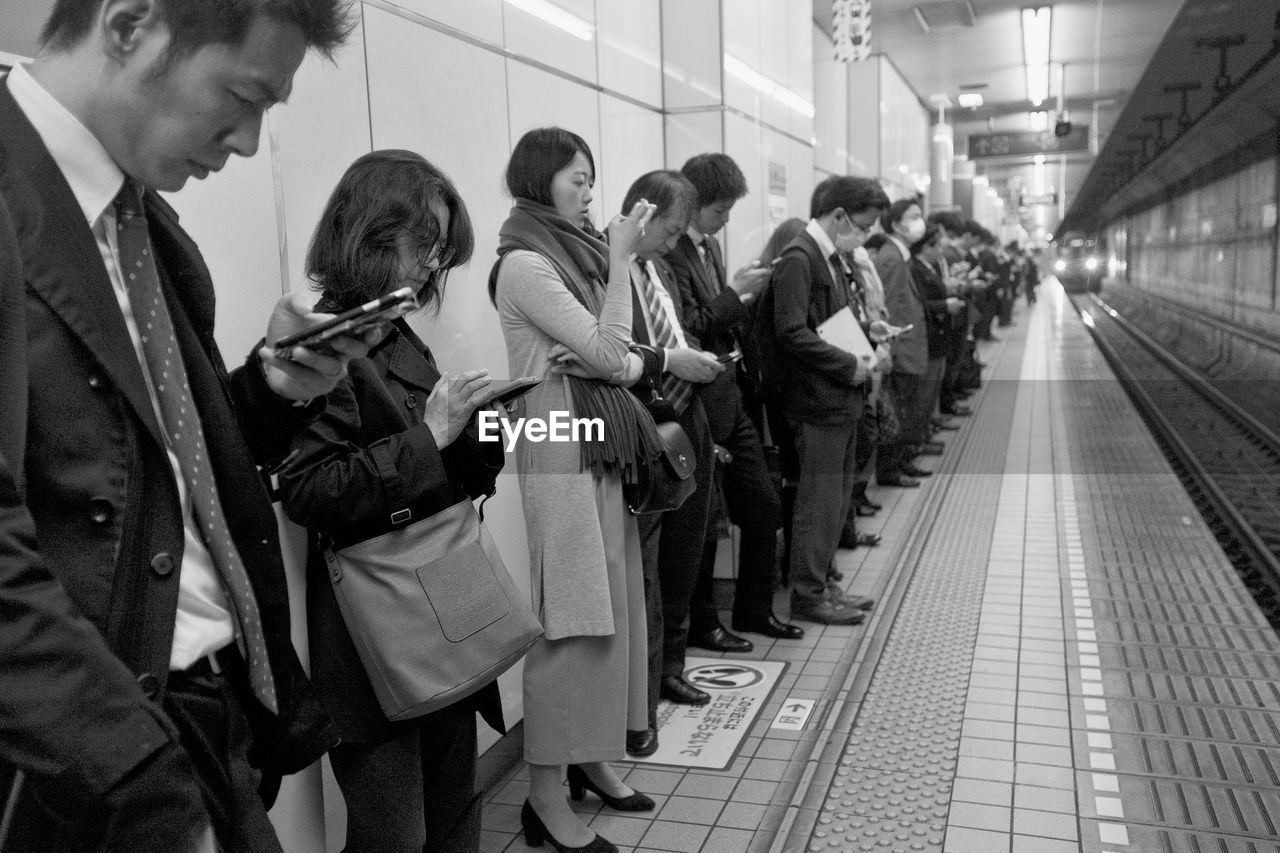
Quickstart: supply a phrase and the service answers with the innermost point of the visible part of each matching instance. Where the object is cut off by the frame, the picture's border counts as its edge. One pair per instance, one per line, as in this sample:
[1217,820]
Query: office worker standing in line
[146,670]
[715,310]
[394,440]
[564,299]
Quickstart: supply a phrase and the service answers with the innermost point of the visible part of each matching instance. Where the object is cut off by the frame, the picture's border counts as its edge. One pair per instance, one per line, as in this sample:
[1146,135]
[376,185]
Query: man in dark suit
[904,225]
[677,372]
[146,668]
[715,309]
[823,385]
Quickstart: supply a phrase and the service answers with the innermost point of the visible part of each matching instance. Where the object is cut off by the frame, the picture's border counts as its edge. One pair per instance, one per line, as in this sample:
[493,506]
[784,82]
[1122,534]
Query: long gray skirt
[581,694]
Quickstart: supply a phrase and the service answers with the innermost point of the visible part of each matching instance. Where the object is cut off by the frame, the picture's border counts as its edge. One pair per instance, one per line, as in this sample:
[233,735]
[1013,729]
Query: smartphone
[505,391]
[353,322]
[736,355]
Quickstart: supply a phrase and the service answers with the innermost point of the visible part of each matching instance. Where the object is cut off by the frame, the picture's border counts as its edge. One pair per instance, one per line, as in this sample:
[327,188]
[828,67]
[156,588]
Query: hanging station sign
[851,29]
[1023,143]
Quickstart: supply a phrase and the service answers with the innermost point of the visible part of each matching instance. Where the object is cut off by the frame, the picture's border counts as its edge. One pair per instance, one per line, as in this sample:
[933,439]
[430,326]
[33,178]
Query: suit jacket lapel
[61,260]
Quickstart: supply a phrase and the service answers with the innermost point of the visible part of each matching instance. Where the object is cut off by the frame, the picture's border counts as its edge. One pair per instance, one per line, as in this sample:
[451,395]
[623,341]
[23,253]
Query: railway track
[1228,460]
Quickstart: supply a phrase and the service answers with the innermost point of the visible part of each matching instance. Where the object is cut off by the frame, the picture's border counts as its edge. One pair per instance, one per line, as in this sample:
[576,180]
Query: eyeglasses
[434,254]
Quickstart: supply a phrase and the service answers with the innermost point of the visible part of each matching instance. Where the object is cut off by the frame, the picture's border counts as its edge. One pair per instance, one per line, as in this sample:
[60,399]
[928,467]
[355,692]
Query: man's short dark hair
[855,195]
[537,157]
[950,221]
[192,24]
[972,226]
[667,189]
[716,177]
[893,215]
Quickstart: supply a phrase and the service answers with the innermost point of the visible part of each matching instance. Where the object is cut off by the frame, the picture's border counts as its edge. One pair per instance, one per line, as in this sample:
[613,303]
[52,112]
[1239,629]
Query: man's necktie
[709,251]
[181,424]
[846,276]
[677,391]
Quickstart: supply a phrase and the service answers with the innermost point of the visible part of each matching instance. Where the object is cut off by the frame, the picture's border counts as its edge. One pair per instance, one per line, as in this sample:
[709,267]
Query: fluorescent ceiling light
[972,100]
[739,70]
[552,14]
[1037,24]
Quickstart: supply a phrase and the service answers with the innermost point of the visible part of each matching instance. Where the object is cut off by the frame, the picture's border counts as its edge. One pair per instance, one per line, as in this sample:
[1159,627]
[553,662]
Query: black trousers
[144,812]
[415,793]
[671,549]
[891,456]
[754,506]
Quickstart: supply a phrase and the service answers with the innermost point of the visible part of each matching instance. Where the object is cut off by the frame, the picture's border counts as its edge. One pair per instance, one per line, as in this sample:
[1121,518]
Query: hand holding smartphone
[730,357]
[506,391]
[356,321]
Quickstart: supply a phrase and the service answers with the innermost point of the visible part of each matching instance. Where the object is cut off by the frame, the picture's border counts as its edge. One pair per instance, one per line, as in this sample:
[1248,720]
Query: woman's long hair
[352,258]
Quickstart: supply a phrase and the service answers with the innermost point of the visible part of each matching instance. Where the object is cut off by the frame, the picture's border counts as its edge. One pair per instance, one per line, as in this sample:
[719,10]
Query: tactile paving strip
[1190,669]
[892,787]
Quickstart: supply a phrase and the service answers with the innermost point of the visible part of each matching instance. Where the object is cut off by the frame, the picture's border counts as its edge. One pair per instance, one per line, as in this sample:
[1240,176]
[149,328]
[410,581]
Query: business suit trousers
[827,467]
[930,392]
[670,546]
[892,455]
[754,506]
[415,792]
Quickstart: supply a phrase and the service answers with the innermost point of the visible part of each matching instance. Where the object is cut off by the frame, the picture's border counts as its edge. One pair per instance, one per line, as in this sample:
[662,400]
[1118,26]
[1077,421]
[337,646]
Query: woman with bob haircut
[564,299]
[396,434]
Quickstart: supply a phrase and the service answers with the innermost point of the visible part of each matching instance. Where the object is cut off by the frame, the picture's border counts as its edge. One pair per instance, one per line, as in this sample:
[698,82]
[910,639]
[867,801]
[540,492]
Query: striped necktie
[709,250]
[677,391]
[180,420]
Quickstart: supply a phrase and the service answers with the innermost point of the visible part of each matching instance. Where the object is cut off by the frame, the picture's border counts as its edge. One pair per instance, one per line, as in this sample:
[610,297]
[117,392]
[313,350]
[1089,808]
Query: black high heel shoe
[579,780]
[536,832]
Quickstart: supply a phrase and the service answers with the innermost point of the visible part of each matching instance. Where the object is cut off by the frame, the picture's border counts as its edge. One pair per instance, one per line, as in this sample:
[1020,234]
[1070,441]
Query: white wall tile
[321,131]
[232,217]
[538,99]
[631,145]
[744,236]
[831,98]
[691,53]
[533,37]
[688,134]
[630,49]
[864,118]
[481,18]
[742,43]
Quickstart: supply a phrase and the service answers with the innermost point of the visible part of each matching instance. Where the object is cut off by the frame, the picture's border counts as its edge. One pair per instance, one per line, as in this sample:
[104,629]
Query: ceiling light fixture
[1037,27]
[555,16]
[972,100]
[739,70]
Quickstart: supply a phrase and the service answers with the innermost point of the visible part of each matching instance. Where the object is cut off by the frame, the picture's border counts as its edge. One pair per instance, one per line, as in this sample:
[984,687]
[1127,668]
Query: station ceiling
[1119,56]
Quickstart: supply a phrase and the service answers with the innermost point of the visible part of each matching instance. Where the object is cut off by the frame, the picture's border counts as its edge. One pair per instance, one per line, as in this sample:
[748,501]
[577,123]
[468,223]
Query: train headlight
[1091,264]
[1059,265]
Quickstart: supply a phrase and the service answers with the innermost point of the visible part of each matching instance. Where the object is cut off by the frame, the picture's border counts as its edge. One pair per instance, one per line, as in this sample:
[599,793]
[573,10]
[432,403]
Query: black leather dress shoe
[899,481]
[945,425]
[870,504]
[913,471]
[770,626]
[957,411]
[864,510]
[676,689]
[642,743]
[932,448]
[719,640]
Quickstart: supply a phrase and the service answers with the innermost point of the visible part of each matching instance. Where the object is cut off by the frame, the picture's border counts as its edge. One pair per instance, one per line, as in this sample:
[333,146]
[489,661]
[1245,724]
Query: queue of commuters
[151,695]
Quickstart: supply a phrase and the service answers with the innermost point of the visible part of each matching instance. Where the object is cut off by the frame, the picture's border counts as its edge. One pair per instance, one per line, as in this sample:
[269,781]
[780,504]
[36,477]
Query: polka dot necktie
[181,423]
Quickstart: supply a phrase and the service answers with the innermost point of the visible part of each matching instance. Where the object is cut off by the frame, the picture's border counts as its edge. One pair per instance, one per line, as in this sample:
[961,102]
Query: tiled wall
[1212,248]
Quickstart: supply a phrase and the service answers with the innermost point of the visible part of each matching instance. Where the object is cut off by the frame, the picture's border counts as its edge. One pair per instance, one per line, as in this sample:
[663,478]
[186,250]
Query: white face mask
[847,241]
[915,231]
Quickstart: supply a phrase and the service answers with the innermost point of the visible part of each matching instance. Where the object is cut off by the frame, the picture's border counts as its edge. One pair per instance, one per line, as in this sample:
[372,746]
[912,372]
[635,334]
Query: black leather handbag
[664,478]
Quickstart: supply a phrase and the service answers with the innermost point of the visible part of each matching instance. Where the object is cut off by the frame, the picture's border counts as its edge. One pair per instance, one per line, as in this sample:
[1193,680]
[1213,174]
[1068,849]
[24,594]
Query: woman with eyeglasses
[395,435]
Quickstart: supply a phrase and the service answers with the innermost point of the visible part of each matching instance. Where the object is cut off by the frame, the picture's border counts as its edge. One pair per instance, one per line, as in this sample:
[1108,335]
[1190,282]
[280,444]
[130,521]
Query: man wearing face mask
[823,386]
[904,223]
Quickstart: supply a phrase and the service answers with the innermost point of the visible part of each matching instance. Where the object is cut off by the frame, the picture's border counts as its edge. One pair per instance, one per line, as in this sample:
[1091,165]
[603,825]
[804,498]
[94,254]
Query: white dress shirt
[203,622]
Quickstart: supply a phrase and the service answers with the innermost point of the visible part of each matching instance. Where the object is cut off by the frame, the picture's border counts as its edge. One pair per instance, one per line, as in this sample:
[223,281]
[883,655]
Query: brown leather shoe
[828,612]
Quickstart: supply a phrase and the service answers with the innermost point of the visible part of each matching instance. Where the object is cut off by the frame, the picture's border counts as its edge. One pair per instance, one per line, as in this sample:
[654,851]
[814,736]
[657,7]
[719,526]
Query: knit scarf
[582,261]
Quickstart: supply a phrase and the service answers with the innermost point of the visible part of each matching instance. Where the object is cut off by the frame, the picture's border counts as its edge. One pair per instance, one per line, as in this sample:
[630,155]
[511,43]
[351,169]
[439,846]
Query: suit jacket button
[411,401]
[97,382]
[101,511]
[150,685]
[162,564]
